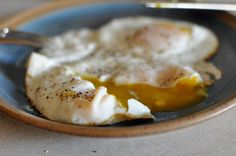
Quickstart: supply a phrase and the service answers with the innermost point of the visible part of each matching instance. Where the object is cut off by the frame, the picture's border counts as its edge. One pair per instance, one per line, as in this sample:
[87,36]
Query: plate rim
[138,130]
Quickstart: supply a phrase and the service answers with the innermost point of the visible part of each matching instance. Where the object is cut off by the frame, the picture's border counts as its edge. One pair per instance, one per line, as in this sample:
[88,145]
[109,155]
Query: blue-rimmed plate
[58,17]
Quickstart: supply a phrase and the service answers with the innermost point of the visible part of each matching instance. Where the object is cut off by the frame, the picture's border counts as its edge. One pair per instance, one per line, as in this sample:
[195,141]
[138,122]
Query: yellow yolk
[186,92]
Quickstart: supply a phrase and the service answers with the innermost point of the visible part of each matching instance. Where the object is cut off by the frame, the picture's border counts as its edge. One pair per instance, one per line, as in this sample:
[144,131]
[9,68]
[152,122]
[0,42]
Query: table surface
[215,137]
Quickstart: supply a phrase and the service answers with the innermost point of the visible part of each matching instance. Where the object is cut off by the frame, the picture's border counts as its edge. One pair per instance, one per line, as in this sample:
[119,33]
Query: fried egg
[60,96]
[160,39]
[158,64]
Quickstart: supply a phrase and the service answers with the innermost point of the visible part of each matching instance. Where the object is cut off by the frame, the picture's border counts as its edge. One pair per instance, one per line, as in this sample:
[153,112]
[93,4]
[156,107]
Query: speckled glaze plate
[61,16]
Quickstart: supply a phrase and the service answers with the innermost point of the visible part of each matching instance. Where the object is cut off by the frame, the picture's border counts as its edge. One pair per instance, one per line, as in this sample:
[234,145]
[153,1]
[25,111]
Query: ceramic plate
[59,17]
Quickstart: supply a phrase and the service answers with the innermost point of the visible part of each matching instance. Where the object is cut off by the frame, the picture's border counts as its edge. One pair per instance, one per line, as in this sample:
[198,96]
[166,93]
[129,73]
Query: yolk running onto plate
[186,92]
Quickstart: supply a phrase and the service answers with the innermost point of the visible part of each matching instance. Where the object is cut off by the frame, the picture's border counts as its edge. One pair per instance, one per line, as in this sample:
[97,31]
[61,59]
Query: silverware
[10,36]
[191,5]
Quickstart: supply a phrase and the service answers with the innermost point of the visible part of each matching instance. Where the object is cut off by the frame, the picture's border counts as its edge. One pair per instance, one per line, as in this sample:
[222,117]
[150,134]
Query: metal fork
[10,36]
[191,5]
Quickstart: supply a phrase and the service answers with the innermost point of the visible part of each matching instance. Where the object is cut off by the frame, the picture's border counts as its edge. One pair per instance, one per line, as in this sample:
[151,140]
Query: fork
[10,36]
[193,4]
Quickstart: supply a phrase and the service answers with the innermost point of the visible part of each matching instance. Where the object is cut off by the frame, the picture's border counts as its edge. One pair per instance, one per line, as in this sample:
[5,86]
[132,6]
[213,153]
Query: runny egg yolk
[186,92]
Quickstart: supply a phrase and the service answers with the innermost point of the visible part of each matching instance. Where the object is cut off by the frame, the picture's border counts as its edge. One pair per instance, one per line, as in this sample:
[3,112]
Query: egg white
[59,95]
[199,45]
